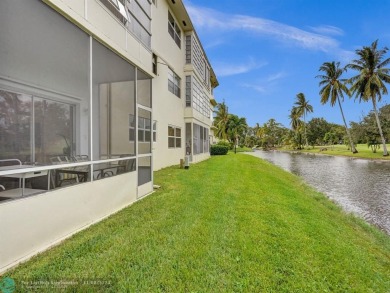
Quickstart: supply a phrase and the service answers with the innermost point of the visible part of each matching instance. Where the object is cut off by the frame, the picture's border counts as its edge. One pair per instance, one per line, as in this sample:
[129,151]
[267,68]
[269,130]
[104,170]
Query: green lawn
[241,150]
[364,151]
[233,223]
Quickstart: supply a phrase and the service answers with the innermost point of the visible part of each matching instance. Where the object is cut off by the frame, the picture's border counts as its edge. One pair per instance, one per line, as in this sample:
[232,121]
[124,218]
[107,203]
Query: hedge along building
[77,121]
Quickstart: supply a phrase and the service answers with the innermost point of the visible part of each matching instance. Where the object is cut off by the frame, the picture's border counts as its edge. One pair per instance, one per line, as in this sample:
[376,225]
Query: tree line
[368,85]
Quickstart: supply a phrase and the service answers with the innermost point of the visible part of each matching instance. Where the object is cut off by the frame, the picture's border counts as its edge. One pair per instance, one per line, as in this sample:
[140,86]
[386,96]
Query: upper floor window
[173,83]
[118,9]
[174,29]
[188,49]
[135,15]
[154,62]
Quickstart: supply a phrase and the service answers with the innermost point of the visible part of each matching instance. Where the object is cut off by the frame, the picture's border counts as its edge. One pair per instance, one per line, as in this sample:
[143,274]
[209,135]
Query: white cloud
[227,69]
[214,43]
[255,87]
[328,30]
[217,21]
[276,76]
[266,84]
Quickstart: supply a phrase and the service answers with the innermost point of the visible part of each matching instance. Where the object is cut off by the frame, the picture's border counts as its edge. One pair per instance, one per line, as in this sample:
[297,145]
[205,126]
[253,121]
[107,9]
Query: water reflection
[359,186]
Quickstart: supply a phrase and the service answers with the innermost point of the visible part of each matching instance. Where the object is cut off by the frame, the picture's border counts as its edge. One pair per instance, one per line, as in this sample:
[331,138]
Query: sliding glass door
[34,129]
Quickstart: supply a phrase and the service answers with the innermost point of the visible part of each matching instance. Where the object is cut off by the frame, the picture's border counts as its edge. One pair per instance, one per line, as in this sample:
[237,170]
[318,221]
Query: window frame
[144,129]
[154,131]
[174,83]
[154,63]
[174,30]
[176,137]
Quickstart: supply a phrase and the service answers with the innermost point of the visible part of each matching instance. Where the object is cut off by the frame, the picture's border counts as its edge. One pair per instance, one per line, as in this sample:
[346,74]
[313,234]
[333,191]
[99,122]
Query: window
[154,130]
[117,8]
[197,97]
[188,138]
[144,131]
[34,129]
[131,128]
[115,2]
[135,15]
[140,19]
[200,139]
[154,62]
[174,30]
[174,137]
[173,83]
[188,91]
[188,49]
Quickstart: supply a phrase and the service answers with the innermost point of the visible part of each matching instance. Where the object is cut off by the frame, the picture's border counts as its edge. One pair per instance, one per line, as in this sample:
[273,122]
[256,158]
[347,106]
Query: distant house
[94,96]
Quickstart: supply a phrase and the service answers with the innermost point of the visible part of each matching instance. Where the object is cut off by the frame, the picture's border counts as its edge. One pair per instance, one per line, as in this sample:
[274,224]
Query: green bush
[217,149]
[225,143]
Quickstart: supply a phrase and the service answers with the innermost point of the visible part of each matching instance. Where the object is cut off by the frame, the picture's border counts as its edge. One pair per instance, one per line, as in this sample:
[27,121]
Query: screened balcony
[69,106]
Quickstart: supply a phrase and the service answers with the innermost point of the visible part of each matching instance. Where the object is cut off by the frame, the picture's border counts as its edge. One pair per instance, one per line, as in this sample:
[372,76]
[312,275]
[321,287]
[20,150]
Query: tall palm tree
[221,121]
[295,120]
[303,107]
[334,89]
[369,83]
[296,125]
[236,128]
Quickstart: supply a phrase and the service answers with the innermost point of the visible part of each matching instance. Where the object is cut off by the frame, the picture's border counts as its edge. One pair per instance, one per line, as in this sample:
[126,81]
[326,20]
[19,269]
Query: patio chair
[63,177]
[126,166]
[80,158]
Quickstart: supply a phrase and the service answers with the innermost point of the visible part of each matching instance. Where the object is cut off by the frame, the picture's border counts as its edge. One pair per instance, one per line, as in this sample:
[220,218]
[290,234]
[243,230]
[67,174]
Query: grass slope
[364,152]
[233,223]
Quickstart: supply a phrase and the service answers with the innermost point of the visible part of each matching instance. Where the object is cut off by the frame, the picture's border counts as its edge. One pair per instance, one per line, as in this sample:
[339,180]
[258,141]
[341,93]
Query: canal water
[359,186]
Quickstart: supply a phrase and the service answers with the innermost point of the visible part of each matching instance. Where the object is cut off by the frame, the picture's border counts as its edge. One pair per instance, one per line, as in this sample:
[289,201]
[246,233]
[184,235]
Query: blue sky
[264,52]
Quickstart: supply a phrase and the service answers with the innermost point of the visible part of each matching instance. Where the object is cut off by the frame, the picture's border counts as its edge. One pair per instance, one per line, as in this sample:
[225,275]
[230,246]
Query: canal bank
[364,152]
[359,186]
[231,223]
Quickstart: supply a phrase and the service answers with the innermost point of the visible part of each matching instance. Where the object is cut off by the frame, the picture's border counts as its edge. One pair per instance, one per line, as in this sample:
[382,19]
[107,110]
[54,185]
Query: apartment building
[94,96]
[183,114]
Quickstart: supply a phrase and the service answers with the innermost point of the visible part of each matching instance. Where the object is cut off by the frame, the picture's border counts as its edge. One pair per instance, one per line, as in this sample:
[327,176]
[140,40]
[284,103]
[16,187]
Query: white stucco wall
[168,109]
[33,224]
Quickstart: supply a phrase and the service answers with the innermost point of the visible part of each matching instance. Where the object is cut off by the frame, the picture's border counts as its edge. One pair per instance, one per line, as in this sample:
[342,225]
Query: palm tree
[236,128]
[296,125]
[303,107]
[221,120]
[333,89]
[295,120]
[369,83]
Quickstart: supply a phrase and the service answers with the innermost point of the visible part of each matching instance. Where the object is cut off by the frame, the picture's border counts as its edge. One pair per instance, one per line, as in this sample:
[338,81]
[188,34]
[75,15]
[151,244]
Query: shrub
[226,143]
[218,150]
[223,142]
